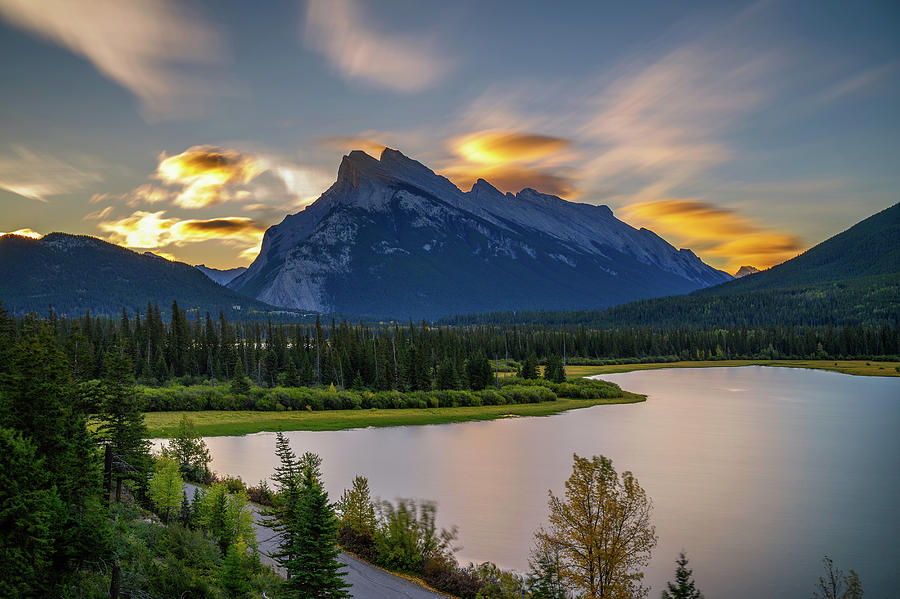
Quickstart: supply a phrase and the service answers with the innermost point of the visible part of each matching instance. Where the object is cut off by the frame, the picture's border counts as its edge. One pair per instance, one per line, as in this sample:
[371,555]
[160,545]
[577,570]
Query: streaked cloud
[147,47]
[400,62]
[511,161]
[725,237]
[24,233]
[154,231]
[38,176]
[98,214]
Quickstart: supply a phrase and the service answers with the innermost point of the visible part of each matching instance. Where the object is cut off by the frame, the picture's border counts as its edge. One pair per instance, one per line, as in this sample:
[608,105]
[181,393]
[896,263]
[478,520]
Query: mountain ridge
[75,273]
[436,240]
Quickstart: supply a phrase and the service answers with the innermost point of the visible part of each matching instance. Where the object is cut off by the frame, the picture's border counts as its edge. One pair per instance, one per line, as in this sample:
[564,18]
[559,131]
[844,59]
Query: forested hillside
[75,273]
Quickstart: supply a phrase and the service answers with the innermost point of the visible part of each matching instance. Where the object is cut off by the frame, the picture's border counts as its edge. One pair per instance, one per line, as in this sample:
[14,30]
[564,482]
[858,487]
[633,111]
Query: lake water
[756,472]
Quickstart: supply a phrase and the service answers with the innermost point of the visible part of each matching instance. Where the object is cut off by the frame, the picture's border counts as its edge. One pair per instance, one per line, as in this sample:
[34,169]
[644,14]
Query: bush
[447,577]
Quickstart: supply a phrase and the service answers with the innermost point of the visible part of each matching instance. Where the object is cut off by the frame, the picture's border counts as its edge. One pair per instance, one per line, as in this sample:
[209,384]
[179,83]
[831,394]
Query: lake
[755,472]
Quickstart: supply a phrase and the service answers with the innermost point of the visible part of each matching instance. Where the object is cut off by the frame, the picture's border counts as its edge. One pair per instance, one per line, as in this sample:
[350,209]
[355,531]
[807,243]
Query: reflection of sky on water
[750,469]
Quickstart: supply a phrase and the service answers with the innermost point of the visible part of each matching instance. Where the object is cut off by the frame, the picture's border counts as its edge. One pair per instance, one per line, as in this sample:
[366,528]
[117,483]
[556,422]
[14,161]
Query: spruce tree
[684,587]
[239,383]
[529,367]
[314,572]
[122,421]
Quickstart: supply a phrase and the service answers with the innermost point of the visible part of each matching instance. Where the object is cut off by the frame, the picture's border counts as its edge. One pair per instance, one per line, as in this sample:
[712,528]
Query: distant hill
[222,277]
[75,273]
[849,279]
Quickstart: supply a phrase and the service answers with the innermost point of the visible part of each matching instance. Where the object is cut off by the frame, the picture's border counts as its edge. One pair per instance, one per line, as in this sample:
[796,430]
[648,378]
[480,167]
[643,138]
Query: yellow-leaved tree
[600,532]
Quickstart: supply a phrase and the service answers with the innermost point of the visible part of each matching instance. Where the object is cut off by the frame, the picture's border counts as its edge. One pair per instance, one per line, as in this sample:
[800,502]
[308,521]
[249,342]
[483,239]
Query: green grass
[221,423]
[855,367]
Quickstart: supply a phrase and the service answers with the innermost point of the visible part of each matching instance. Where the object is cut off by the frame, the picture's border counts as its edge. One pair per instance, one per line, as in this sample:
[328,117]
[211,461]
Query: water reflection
[756,472]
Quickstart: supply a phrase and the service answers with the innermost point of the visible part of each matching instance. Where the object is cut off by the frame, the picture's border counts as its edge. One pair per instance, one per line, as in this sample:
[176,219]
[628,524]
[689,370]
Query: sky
[746,131]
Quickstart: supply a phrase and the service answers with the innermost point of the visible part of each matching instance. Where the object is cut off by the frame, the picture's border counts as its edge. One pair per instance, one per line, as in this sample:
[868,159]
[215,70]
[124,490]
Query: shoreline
[221,423]
[851,367]
[213,423]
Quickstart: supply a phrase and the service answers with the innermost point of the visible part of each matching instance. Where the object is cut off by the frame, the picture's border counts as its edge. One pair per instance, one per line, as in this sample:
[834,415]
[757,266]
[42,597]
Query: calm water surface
[755,472]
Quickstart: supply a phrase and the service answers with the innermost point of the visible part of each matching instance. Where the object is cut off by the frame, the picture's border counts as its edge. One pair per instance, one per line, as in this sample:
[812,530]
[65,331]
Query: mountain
[392,237]
[745,270]
[75,273]
[852,278]
[869,248]
[222,277]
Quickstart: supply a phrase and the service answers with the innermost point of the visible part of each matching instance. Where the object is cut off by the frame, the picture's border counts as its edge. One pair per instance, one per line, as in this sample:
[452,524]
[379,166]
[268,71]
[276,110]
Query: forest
[413,357]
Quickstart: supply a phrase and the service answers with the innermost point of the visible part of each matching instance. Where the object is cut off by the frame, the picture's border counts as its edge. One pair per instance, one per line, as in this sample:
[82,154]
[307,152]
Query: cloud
[98,214]
[152,230]
[403,63]
[147,47]
[511,161]
[859,81]
[510,178]
[37,176]
[347,143]
[730,239]
[499,147]
[206,173]
[24,233]
[169,237]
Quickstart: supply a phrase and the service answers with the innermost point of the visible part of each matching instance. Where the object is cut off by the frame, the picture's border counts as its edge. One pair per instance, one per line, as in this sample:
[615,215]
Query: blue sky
[745,131]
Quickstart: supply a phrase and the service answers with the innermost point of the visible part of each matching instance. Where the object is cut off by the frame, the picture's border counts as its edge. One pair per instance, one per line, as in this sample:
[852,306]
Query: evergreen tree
[446,375]
[233,572]
[529,367]
[239,383]
[29,505]
[554,370]
[314,572]
[684,586]
[357,509]
[122,421]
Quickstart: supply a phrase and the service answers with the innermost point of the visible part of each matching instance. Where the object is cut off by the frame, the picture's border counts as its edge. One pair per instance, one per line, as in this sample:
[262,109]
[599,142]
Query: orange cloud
[151,230]
[727,238]
[24,233]
[501,147]
[510,178]
[510,160]
[206,173]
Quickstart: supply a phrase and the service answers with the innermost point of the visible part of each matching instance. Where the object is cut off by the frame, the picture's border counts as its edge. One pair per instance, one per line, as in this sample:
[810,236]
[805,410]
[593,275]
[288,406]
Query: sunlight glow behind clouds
[729,238]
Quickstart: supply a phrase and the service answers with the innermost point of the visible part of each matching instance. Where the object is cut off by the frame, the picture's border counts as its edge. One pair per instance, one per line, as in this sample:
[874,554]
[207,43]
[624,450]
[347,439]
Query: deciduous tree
[601,530]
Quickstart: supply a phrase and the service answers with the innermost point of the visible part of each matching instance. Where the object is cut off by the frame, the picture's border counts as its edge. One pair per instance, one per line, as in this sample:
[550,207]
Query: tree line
[414,356]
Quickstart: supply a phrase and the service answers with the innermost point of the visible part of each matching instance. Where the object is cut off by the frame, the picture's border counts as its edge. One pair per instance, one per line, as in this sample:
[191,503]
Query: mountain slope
[74,273]
[392,237]
[852,278]
[222,277]
[869,248]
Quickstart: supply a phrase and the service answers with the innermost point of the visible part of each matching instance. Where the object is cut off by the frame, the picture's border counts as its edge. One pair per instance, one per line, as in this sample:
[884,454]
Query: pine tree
[122,421]
[529,367]
[239,383]
[446,375]
[684,587]
[314,572]
[233,572]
